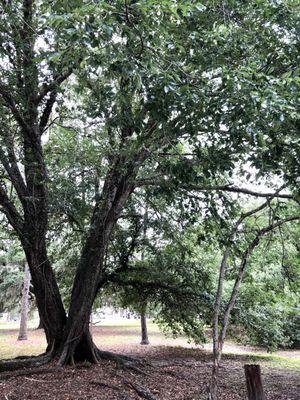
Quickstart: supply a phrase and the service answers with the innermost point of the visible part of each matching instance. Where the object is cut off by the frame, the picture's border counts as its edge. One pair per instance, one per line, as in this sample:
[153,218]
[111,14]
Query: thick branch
[12,214]
[10,103]
[47,111]
[54,85]
[157,181]
[234,189]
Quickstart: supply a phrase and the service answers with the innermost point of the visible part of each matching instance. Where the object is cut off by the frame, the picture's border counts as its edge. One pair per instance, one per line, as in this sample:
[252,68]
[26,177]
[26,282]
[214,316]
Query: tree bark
[77,342]
[49,303]
[24,305]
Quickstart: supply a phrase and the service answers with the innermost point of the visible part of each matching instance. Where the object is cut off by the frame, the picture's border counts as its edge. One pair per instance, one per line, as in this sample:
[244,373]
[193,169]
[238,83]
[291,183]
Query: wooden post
[254,383]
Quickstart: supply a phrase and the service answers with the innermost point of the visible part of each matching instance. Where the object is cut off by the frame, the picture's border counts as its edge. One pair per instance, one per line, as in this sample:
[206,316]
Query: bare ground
[172,373]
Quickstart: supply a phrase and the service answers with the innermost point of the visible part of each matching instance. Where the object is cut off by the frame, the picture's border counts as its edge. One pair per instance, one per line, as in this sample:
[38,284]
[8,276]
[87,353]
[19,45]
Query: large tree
[148,80]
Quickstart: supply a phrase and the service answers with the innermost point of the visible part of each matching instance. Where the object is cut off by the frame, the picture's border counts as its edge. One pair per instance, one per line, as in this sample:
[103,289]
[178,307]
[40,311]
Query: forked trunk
[90,268]
[84,350]
[77,342]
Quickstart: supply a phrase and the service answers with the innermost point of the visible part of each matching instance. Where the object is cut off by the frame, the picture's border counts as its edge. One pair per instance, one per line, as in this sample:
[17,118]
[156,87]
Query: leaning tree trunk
[33,238]
[30,103]
[24,305]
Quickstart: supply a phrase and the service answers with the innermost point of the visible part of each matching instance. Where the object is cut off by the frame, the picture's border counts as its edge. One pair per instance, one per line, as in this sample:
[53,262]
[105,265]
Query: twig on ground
[103,384]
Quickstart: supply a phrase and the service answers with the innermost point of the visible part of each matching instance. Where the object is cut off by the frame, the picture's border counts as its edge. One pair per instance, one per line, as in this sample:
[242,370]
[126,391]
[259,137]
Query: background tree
[24,305]
[11,273]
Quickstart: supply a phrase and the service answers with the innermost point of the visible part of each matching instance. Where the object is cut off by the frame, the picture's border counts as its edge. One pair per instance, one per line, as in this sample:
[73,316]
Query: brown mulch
[174,373]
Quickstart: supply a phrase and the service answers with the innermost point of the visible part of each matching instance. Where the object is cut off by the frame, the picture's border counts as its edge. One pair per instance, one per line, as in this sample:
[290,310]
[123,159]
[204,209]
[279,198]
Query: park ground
[175,369]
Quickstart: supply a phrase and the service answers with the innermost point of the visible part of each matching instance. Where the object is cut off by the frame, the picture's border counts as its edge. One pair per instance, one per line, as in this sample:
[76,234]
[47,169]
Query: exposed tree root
[25,357]
[22,358]
[25,362]
[107,355]
[93,355]
[142,391]
[163,364]
[123,361]
[131,367]
[29,372]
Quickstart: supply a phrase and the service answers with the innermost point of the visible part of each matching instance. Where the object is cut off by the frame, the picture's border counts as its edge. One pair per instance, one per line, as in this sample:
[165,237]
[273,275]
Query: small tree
[241,250]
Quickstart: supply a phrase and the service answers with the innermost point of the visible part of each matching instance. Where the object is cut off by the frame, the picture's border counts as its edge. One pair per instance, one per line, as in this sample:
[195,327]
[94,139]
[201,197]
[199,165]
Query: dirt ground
[172,372]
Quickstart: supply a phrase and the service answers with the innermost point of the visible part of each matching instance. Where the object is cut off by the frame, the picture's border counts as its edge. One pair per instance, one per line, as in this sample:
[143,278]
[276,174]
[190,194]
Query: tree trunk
[213,385]
[24,305]
[77,343]
[49,303]
[31,112]
[254,382]
[144,330]
[116,190]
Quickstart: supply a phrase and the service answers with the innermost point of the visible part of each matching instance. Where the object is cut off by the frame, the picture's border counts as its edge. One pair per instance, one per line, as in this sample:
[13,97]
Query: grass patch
[275,360]
[269,360]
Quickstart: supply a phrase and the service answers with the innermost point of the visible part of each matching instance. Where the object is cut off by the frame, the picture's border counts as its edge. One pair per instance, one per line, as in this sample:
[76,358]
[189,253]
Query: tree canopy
[134,138]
